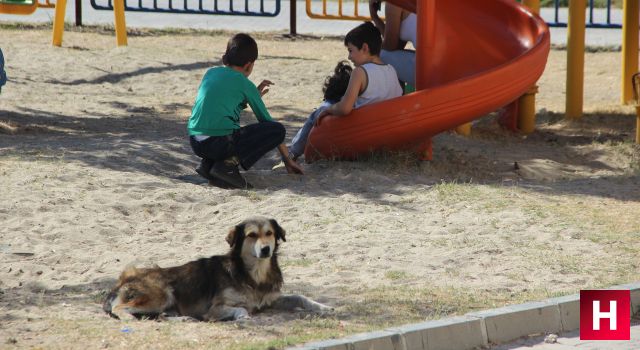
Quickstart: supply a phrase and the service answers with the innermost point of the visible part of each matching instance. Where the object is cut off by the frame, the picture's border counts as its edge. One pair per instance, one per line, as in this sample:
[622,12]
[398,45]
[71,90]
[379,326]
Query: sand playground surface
[96,174]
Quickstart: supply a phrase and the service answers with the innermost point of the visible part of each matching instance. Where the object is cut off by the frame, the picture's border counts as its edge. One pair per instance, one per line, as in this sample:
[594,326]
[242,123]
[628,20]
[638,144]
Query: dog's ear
[234,234]
[128,273]
[231,236]
[280,232]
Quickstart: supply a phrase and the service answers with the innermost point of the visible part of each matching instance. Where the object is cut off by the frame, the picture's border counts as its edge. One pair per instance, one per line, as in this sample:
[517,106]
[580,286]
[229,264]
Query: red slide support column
[426,34]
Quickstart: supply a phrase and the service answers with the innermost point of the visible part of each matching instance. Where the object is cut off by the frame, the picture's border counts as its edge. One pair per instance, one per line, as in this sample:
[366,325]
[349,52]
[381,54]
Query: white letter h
[611,315]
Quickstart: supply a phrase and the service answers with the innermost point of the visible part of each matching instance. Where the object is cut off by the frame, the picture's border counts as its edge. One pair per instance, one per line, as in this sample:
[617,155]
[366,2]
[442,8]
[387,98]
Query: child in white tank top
[382,84]
[372,80]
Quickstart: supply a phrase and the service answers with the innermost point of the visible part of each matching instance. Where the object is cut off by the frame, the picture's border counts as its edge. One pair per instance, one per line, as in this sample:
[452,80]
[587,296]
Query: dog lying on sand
[219,288]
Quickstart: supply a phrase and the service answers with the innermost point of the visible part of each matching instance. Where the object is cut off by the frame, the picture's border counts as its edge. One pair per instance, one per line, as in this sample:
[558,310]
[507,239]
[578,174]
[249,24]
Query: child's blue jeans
[248,143]
[299,142]
[404,62]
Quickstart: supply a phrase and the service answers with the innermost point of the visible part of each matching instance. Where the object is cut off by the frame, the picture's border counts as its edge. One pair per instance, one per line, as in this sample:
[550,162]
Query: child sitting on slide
[334,88]
[372,80]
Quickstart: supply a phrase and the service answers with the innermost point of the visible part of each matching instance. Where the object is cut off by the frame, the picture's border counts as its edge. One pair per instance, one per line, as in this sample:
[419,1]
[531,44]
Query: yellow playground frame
[22,7]
[576,51]
[355,17]
[119,19]
[526,104]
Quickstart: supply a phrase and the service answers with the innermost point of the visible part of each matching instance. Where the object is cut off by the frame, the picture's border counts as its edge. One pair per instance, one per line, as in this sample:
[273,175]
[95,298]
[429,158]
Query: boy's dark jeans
[248,143]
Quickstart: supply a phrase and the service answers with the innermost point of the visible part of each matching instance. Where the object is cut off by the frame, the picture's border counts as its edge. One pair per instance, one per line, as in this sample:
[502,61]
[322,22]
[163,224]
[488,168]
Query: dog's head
[257,237]
[139,292]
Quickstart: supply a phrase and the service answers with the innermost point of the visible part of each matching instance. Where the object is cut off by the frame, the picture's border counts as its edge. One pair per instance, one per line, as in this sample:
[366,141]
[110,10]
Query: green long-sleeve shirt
[222,95]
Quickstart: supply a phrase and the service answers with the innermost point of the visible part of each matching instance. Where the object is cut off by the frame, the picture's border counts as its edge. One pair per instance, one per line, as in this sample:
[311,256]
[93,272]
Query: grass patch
[361,311]
[385,160]
[395,275]
[454,192]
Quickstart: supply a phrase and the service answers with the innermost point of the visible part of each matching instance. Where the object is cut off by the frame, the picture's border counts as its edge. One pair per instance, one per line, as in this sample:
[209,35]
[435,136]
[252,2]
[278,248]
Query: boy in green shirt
[214,130]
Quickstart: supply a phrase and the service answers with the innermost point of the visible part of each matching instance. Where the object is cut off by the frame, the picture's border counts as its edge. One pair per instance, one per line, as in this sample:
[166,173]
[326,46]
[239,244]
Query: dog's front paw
[241,314]
[177,318]
[123,315]
[321,308]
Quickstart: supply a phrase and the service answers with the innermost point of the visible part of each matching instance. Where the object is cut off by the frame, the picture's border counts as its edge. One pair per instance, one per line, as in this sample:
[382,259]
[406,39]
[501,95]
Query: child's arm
[263,87]
[374,7]
[291,165]
[357,82]
[391,34]
[253,95]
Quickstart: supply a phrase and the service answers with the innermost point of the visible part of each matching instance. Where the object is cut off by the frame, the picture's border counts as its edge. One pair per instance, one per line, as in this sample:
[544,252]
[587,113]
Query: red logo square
[605,315]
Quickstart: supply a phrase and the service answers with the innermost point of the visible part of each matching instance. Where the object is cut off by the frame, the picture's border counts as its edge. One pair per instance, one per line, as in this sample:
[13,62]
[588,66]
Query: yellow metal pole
[464,129]
[121,26]
[58,22]
[527,103]
[534,5]
[527,111]
[575,59]
[629,48]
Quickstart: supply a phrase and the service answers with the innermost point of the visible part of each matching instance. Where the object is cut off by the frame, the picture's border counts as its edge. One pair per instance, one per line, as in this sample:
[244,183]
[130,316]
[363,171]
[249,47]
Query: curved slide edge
[498,49]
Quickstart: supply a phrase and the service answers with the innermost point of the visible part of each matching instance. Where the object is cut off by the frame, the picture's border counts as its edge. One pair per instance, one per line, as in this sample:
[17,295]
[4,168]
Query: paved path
[306,25]
[571,341]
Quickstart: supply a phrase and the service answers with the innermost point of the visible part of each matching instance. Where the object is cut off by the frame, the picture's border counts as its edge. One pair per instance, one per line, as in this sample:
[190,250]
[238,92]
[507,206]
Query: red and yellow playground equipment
[23,7]
[118,13]
[341,11]
[509,46]
[575,57]
[27,7]
[524,106]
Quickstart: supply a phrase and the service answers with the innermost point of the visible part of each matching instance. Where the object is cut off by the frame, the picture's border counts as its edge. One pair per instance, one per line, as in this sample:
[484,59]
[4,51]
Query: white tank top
[408,28]
[382,84]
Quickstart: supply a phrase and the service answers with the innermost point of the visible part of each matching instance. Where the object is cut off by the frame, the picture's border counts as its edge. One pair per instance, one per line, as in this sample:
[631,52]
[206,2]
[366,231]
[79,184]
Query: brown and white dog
[219,288]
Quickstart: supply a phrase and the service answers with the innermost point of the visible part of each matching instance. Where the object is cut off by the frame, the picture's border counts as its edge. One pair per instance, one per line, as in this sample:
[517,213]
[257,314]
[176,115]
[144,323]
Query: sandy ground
[96,174]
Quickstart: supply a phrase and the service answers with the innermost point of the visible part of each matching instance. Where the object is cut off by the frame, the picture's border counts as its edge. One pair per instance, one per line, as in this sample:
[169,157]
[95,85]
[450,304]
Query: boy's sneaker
[204,168]
[219,183]
[228,172]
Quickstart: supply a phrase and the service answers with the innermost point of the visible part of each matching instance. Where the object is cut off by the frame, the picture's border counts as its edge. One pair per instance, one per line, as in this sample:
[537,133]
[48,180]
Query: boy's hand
[289,164]
[263,87]
[293,167]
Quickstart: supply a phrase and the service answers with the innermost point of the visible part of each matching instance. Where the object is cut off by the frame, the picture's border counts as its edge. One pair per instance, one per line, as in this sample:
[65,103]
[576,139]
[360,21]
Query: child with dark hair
[334,88]
[214,126]
[372,80]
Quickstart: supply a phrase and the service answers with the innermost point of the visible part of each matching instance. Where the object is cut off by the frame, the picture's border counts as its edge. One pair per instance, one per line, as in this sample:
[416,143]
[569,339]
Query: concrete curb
[477,329]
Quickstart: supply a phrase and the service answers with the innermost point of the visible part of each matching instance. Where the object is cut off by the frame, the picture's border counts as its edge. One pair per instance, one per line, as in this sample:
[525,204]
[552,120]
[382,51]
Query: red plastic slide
[478,56]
